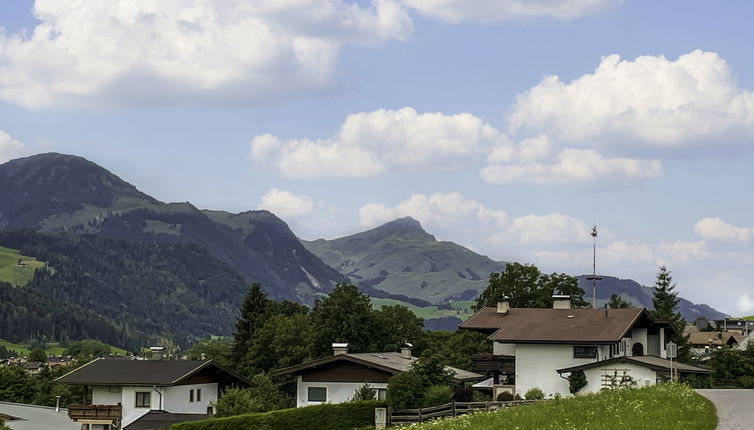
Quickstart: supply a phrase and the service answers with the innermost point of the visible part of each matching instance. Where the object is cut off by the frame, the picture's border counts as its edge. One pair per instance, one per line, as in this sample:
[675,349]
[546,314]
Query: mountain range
[188,261]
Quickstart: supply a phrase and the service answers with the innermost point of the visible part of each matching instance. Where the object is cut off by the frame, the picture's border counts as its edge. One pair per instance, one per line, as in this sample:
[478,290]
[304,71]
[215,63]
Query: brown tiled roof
[142,372]
[536,325]
[713,337]
[391,362]
[650,361]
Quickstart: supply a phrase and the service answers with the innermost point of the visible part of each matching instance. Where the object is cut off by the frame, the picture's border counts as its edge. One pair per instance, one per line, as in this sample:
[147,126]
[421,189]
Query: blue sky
[507,126]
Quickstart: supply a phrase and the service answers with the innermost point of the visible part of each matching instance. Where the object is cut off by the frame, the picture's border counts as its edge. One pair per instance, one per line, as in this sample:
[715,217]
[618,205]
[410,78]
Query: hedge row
[341,416]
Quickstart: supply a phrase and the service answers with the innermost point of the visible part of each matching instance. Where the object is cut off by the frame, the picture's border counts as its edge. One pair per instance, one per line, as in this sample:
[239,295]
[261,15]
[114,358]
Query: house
[19,416]
[741,326]
[335,379]
[136,394]
[540,347]
[31,367]
[704,342]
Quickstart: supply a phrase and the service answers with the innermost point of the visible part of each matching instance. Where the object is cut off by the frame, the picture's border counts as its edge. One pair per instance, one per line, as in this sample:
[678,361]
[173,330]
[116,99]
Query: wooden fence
[452,409]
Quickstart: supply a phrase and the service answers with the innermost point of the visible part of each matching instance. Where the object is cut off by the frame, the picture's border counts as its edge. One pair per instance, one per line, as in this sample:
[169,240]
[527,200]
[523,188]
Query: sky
[508,126]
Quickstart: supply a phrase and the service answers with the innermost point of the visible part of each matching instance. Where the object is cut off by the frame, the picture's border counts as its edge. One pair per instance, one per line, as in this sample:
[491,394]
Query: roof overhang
[652,366]
[300,368]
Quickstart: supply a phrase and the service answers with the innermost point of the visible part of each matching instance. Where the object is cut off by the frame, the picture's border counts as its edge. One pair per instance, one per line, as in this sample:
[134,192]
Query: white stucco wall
[101,395]
[536,366]
[337,392]
[639,335]
[640,374]
[176,399]
[504,348]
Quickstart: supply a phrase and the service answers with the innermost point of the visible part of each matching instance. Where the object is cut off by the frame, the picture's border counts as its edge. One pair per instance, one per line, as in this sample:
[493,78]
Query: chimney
[339,348]
[406,350]
[158,352]
[561,301]
[503,305]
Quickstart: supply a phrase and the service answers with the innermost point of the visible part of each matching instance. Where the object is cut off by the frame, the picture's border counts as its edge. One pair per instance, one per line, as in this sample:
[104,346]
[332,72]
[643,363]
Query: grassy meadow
[53,348]
[462,311]
[11,272]
[666,407]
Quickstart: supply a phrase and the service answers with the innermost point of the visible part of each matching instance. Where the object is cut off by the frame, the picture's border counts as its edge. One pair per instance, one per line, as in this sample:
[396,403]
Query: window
[317,394]
[142,399]
[198,394]
[191,395]
[379,393]
[584,352]
[113,388]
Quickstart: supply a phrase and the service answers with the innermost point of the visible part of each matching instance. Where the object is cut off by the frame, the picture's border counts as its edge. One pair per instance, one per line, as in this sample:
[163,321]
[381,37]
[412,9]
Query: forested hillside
[150,288]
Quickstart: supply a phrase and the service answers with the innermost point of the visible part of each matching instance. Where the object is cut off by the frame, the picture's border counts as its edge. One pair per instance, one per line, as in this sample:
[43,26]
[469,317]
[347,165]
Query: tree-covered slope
[66,194]
[401,258]
[147,288]
[640,295]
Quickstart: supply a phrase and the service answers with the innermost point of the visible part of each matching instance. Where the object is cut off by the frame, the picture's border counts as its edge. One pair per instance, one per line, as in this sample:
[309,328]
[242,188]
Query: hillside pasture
[13,273]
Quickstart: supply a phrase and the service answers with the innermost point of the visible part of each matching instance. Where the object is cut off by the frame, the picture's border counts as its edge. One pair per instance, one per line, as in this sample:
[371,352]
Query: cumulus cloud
[548,229]
[371,143]
[456,11]
[574,165]
[146,52]
[650,101]
[9,147]
[717,229]
[746,304]
[286,204]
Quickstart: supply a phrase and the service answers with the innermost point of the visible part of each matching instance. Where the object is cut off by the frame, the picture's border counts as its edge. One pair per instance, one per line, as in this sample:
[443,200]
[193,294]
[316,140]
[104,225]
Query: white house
[336,378]
[143,394]
[543,344]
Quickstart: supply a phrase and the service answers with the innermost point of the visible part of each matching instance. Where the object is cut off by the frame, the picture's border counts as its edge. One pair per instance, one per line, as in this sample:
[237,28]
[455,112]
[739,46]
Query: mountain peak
[405,225]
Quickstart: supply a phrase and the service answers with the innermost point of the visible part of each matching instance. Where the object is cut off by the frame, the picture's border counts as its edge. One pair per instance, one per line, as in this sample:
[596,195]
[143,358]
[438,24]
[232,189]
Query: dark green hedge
[341,416]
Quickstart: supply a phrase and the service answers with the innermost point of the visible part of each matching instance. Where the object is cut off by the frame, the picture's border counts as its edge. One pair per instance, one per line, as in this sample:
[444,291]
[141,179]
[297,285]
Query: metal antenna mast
[594,277]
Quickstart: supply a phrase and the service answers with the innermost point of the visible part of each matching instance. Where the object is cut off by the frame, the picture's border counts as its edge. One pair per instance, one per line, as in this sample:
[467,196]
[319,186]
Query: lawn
[53,348]
[11,272]
[666,406]
[462,311]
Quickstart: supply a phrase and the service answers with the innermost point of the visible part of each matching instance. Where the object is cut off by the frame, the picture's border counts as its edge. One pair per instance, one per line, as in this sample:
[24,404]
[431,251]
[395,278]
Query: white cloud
[746,304]
[573,165]
[438,211]
[650,101]
[717,229]
[371,143]
[286,204]
[9,147]
[124,52]
[456,11]
[548,229]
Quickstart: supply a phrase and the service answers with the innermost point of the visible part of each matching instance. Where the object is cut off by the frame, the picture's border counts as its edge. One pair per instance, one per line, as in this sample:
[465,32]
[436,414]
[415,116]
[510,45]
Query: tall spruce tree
[254,312]
[665,303]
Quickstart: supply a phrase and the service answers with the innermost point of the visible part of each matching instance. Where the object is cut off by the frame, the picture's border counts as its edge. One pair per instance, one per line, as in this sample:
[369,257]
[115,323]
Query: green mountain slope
[17,269]
[59,193]
[401,258]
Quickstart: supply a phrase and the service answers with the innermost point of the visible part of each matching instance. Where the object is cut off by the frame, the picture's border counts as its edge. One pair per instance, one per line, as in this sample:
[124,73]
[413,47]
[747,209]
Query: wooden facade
[345,371]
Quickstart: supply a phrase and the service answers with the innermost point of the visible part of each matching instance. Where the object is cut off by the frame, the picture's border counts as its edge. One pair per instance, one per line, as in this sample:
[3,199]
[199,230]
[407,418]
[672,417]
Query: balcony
[505,364]
[95,412]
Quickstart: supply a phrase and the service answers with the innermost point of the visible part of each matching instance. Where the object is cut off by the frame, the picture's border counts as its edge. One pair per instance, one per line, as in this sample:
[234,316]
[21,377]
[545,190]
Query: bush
[534,394]
[365,392]
[463,394]
[746,381]
[505,396]
[341,416]
[697,381]
[262,396]
[405,390]
[437,395]
[576,381]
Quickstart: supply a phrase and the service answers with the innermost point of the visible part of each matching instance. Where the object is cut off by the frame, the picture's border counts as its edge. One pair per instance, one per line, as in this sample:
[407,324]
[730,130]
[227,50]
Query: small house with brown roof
[543,343]
[134,394]
[335,379]
[704,342]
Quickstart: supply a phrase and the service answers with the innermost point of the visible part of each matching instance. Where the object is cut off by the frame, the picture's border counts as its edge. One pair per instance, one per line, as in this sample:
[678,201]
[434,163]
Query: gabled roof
[544,325]
[714,338]
[161,420]
[391,362]
[144,372]
[649,361]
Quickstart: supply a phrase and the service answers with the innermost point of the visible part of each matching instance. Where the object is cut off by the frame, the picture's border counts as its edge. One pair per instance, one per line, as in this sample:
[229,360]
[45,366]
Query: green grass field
[666,406]
[463,310]
[53,348]
[749,318]
[11,272]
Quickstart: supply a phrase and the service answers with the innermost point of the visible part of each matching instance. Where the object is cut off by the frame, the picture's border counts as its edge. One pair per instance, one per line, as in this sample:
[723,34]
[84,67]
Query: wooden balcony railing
[95,412]
[489,362]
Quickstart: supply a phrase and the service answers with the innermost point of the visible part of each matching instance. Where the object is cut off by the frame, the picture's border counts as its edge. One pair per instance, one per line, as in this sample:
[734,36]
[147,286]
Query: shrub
[746,381]
[405,390]
[463,394]
[262,396]
[234,401]
[697,381]
[534,394]
[576,381]
[365,392]
[437,395]
[505,396]
[342,416]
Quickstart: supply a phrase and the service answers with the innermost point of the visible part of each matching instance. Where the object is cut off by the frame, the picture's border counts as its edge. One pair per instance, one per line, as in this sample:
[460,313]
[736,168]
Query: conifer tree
[254,310]
[665,304]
